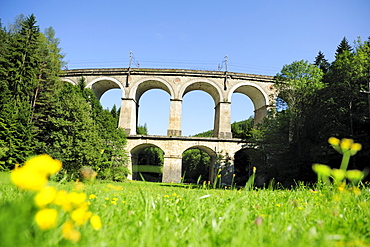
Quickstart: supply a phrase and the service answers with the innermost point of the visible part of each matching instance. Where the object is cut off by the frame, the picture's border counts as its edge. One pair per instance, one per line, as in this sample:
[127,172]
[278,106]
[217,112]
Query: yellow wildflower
[355,175]
[96,222]
[338,175]
[44,164]
[62,200]
[28,179]
[70,233]
[356,191]
[76,198]
[81,215]
[322,169]
[45,196]
[344,145]
[92,196]
[254,169]
[334,141]
[46,218]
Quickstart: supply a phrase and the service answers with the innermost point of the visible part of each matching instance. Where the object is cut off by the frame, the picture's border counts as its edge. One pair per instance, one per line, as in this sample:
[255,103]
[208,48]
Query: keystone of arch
[145,84]
[211,88]
[258,96]
[102,84]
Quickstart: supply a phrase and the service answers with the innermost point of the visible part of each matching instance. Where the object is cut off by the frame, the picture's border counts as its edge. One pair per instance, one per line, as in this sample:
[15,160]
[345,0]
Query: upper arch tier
[177,82]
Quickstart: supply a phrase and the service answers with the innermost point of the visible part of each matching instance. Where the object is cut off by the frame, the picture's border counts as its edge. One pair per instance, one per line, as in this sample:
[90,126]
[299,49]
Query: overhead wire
[164,63]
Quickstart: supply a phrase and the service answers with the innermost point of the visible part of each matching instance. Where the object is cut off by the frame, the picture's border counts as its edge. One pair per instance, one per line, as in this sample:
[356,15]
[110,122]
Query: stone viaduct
[220,85]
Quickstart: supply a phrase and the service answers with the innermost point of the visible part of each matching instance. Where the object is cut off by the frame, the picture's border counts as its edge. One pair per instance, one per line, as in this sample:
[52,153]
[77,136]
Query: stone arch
[102,84]
[205,85]
[148,171]
[253,91]
[68,80]
[258,96]
[207,172]
[146,84]
[138,148]
[204,148]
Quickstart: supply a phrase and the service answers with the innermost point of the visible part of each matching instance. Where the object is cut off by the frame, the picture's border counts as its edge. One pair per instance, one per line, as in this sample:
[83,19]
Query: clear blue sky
[259,37]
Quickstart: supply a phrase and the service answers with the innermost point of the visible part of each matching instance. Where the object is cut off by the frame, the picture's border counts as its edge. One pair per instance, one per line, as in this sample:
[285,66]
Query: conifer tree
[343,46]
[321,62]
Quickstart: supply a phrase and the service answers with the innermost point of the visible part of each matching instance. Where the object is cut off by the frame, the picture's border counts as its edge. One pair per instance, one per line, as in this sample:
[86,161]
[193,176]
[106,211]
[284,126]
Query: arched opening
[242,167]
[153,111]
[111,98]
[101,85]
[148,164]
[196,165]
[197,113]
[242,115]
[258,97]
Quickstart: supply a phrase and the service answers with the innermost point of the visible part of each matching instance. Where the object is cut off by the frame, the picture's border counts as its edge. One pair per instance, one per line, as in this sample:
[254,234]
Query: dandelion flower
[95,222]
[92,196]
[81,215]
[46,218]
[44,164]
[70,233]
[76,198]
[45,196]
[28,179]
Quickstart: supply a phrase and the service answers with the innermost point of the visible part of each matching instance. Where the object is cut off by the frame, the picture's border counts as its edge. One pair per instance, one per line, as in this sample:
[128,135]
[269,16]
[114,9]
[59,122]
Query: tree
[347,108]
[195,164]
[71,134]
[321,62]
[297,83]
[20,61]
[142,130]
[282,137]
[343,46]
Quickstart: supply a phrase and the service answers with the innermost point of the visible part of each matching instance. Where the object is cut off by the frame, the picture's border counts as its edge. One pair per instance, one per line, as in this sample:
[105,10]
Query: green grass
[153,214]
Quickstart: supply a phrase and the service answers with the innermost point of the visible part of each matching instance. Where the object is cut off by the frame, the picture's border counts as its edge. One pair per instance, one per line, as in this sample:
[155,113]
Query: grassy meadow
[154,214]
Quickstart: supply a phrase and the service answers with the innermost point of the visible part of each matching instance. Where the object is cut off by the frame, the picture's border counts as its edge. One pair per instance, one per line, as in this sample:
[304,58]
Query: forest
[41,114]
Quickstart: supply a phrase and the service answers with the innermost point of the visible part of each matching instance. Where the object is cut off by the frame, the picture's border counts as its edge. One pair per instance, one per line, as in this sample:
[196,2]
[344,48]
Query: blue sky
[259,37]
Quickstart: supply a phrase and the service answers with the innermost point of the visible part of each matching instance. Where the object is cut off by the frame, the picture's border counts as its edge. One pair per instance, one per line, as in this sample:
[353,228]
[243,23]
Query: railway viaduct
[220,85]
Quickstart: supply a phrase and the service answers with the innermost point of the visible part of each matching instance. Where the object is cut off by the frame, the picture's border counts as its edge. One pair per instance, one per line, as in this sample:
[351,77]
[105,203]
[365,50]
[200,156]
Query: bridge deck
[166,72]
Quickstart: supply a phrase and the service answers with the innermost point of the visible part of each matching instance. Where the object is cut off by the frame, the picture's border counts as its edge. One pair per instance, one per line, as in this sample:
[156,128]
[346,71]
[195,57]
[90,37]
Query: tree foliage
[195,164]
[321,103]
[41,114]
